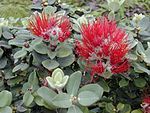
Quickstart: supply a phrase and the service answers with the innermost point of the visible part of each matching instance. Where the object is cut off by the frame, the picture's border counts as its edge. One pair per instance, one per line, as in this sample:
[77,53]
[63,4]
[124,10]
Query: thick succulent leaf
[74,109]
[87,98]
[19,54]
[66,61]
[62,100]
[27,98]
[6,109]
[50,64]
[6,98]
[74,83]
[95,88]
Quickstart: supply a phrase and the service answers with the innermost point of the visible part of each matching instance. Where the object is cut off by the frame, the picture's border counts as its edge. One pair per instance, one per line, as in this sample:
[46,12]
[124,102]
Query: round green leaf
[140,82]
[126,109]
[110,108]
[120,106]
[50,64]
[40,48]
[123,82]
[74,109]
[20,54]
[5,98]
[62,100]
[87,98]
[6,109]
[95,88]
[66,61]
[64,51]
[28,98]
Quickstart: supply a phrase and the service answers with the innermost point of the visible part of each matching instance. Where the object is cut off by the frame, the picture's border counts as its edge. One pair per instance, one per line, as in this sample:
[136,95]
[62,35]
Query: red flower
[50,27]
[146,105]
[103,47]
[146,100]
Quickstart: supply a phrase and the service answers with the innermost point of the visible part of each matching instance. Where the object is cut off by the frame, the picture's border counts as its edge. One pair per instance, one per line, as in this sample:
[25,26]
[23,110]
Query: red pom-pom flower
[50,27]
[103,47]
[146,105]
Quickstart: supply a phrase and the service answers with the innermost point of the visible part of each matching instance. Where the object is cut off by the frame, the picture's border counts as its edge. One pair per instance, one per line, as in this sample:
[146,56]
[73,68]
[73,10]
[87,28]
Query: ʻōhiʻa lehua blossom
[103,47]
[146,104]
[50,27]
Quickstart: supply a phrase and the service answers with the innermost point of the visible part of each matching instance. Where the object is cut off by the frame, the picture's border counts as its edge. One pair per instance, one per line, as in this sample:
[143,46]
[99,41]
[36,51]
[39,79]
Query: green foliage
[28,63]
[14,8]
[6,98]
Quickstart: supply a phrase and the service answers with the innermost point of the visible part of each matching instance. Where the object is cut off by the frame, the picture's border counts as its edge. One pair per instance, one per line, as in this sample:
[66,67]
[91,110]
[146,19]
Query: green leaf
[20,54]
[126,109]
[62,100]
[87,98]
[110,108]
[38,100]
[137,111]
[140,82]
[6,109]
[7,35]
[140,49]
[6,98]
[114,6]
[1,52]
[51,2]
[147,56]
[95,88]
[50,9]
[50,64]
[66,61]
[123,82]
[104,85]
[4,44]
[131,56]
[32,83]
[3,62]
[140,68]
[40,48]
[36,41]
[144,23]
[47,95]
[63,51]
[120,106]
[22,67]
[51,54]
[27,98]
[74,83]
[111,15]
[16,42]
[74,109]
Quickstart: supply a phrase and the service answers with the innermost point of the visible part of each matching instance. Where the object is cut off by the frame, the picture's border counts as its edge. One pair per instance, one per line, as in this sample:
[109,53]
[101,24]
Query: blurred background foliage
[21,8]
[14,8]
